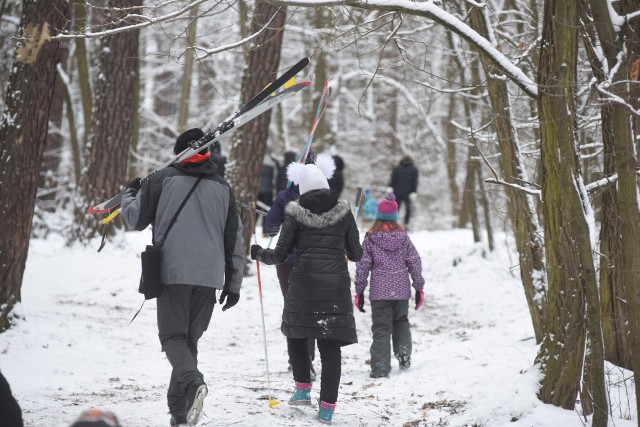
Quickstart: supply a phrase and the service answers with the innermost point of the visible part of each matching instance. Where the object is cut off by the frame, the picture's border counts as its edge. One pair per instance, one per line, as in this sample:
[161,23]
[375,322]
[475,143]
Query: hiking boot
[404,360]
[325,412]
[196,392]
[302,395]
[178,420]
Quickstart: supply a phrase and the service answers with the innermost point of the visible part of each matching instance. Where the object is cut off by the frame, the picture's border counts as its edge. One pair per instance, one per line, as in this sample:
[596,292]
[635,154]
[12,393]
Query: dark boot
[196,392]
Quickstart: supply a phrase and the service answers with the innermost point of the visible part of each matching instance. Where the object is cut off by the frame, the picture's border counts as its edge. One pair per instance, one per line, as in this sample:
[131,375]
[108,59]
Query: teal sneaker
[302,395]
[325,412]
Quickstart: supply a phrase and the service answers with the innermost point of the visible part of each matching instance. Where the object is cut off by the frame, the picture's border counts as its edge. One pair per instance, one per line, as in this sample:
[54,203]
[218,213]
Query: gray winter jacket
[204,247]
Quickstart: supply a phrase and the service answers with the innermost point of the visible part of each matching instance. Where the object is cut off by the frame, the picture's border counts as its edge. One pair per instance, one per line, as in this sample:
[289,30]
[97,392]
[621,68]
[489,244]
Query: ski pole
[272,402]
[358,203]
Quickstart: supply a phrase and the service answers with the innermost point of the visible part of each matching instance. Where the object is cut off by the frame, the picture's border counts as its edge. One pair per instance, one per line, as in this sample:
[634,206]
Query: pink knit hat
[387,208]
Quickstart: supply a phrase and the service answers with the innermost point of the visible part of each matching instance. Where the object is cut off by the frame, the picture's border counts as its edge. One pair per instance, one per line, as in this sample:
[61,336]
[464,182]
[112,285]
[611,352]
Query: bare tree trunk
[107,152]
[323,19]
[48,182]
[484,202]
[570,268]
[250,141]
[612,285]
[470,184]
[76,152]
[23,135]
[187,70]
[520,207]
[79,21]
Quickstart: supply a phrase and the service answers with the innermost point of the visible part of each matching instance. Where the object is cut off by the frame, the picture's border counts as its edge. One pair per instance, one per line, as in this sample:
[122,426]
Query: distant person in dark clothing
[404,182]
[336,183]
[10,412]
[265,190]
[218,158]
[281,179]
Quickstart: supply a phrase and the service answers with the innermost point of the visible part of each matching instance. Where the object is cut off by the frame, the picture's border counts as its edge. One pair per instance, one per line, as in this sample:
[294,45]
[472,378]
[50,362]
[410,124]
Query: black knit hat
[182,143]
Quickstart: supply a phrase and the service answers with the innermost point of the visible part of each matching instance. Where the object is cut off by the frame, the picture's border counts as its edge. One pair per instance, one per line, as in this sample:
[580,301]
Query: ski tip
[304,61]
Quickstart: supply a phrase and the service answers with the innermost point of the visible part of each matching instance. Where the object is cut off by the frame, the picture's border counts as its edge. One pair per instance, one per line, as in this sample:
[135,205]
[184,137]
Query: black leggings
[331,358]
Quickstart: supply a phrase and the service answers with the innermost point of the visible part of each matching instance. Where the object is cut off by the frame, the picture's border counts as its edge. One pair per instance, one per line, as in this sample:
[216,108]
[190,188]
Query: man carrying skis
[202,253]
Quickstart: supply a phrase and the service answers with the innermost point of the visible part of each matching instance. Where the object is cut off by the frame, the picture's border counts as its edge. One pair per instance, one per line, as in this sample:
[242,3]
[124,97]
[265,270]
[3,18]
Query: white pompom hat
[312,177]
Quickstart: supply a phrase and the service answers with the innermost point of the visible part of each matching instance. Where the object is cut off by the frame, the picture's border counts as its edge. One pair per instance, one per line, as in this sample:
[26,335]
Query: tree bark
[187,70]
[570,268]
[250,141]
[79,21]
[106,154]
[23,135]
[522,214]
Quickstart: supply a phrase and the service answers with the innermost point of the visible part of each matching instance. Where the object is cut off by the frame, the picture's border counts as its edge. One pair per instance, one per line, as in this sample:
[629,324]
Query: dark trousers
[284,270]
[407,211]
[184,313]
[331,359]
[389,321]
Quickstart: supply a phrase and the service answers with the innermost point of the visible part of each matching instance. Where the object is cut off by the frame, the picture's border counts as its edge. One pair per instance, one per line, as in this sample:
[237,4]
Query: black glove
[135,184]
[231,297]
[254,251]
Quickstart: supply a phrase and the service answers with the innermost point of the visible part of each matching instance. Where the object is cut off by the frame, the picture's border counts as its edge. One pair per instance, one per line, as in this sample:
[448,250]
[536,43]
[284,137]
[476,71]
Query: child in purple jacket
[393,261]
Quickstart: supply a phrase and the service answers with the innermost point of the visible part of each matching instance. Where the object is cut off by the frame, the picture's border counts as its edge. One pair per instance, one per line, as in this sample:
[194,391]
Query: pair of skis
[263,101]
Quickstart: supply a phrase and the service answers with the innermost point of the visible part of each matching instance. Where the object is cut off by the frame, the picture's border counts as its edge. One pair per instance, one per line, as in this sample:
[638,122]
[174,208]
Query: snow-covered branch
[429,10]
[145,21]
[531,191]
[601,183]
[210,52]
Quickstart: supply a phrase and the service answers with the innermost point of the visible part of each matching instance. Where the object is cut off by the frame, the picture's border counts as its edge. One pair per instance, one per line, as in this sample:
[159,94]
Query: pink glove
[419,299]
[359,302]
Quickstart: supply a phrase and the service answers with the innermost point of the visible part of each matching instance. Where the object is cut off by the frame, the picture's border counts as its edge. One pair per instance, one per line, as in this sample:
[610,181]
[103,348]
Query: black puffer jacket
[318,302]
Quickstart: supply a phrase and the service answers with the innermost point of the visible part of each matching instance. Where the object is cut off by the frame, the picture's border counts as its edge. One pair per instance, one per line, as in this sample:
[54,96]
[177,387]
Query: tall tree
[521,210]
[250,141]
[107,150]
[572,312]
[615,72]
[23,135]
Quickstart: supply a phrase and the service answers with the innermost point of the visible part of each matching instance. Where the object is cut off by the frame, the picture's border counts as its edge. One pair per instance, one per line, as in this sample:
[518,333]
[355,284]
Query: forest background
[521,115]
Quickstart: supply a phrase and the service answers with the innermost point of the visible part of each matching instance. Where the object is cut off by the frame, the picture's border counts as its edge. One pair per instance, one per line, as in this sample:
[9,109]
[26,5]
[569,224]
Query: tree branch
[429,10]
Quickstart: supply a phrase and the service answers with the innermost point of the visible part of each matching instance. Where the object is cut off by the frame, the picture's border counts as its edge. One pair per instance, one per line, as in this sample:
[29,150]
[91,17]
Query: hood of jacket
[204,167]
[318,201]
[313,218]
[389,241]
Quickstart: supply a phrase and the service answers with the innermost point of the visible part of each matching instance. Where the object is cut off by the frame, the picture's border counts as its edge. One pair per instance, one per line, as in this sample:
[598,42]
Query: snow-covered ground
[472,360]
